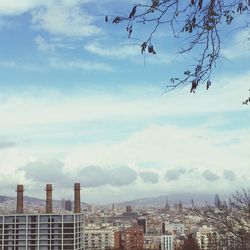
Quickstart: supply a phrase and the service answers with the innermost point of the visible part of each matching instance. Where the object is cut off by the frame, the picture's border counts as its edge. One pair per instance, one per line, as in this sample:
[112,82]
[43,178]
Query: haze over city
[79,103]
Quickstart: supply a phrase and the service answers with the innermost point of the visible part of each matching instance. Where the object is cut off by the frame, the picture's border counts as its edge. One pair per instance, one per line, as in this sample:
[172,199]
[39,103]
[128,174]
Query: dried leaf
[198,69]
[200,4]
[132,13]
[151,49]
[130,30]
[194,86]
[155,3]
[117,20]
[208,84]
[193,21]
[143,47]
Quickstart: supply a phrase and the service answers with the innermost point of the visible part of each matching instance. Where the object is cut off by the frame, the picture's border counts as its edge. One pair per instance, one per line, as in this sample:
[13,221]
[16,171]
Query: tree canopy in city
[229,218]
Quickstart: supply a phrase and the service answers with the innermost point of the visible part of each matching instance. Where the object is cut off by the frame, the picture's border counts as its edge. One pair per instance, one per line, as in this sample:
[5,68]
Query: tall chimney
[19,200]
[77,205]
[49,198]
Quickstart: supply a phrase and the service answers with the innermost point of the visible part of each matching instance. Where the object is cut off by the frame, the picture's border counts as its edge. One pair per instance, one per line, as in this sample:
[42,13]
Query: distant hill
[27,199]
[5,198]
[160,201]
[31,201]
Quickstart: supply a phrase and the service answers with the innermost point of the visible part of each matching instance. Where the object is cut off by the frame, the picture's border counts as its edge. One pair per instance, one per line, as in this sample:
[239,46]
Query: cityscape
[76,225]
[124,125]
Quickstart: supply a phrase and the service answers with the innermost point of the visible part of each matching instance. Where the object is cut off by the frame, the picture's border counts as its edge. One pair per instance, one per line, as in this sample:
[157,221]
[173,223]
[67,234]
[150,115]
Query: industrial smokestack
[49,198]
[19,200]
[77,202]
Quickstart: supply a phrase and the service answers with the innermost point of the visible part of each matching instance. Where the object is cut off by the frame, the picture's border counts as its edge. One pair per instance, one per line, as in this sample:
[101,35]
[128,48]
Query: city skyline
[78,103]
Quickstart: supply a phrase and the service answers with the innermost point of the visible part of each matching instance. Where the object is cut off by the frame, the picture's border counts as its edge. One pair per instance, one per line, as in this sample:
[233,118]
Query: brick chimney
[19,200]
[77,202]
[49,198]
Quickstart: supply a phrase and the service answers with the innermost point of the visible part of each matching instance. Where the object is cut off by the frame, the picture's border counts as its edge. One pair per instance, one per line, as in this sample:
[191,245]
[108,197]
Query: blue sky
[78,102]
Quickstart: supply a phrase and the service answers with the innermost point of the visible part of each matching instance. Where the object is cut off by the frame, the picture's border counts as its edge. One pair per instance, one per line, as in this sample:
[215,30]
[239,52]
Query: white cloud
[68,21]
[18,7]
[57,63]
[239,47]
[172,147]
[20,65]
[197,149]
[62,18]
[28,110]
[131,52]
[79,64]
[50,45]
[22,6]
[118,52]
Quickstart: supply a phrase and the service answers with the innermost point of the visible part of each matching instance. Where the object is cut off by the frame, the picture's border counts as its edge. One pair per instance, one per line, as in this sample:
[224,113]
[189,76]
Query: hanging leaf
[117,20]
[193,22]
[155,3]
[130,30]
[132,13]
[200,4]
[151,49]
[239,9]
[187,72]
[208,84]
[198,70]
[194,86]
[143,47]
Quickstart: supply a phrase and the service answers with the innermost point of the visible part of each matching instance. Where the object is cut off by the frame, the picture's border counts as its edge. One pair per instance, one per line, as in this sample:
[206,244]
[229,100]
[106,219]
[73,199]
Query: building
[173,228]
[166,208]
[143,223]
[101,237]
[128,209]
[45,231]
[68,205]
[178,208]
[133,238]
[118,240]
[167,242]
[217,201]
[41,231]
[207,238]
[129,214]
[152,242]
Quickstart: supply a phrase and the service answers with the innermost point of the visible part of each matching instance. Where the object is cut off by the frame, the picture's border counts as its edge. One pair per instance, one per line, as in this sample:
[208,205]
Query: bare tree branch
[199,20]
[230,218]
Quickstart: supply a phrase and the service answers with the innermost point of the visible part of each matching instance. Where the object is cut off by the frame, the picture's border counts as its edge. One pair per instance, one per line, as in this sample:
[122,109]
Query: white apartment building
[99,237]
[152,241]
[174,228]
[207,238]
[49,231]
[41,232]
[167,242]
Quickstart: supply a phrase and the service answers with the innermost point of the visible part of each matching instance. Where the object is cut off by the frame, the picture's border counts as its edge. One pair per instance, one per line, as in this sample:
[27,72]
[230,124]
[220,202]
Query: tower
[19,201]
[77,201]
[49,198]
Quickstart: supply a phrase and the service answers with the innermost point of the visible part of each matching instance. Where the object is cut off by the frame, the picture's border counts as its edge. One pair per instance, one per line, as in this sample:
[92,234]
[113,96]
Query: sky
[79,103]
